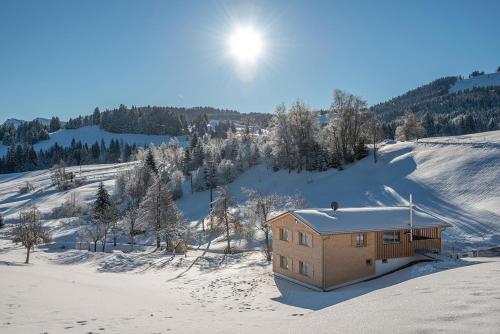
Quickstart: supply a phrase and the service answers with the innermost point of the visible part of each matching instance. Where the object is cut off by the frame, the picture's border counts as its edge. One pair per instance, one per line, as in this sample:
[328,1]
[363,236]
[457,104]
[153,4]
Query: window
[283,262]
[384,260]
[392,237]
[284,234]
[360,240]
[368,262]
[303,239]
[303,268]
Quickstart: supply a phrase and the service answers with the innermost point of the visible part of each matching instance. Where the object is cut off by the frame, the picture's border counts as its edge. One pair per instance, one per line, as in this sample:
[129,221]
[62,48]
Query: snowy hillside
[91,134]
[455,178]
[486,80]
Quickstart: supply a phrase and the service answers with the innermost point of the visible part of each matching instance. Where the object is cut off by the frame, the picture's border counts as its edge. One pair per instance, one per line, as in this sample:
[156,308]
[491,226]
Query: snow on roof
[346,220]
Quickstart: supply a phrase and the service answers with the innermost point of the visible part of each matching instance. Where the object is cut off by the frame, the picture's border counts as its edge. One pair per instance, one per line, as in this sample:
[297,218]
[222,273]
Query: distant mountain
[15,122]
[449,105]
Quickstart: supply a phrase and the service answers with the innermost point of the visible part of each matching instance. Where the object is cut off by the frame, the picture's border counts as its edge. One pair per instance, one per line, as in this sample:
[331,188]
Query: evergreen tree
[103,210]
[55,124]
[150,161]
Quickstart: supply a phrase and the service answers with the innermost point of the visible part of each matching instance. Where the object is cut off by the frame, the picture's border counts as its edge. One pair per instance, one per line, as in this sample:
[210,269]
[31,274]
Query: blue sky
[66,57]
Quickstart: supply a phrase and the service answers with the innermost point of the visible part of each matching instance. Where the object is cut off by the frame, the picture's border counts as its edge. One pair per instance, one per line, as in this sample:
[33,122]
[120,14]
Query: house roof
[347,220]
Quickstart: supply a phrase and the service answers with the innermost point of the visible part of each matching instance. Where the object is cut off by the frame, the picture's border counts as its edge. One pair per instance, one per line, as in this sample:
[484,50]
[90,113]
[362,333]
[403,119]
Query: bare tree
[61,178]
[223,216]
[29,232]
[132,224]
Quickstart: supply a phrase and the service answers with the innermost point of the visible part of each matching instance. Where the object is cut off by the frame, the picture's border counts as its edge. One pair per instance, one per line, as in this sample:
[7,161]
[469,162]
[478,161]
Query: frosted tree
[160,212]
[176,180]
[411,128]
[223,215]
[303,124]
[349,115]
[29,231]
[139,180]
[282,138]
[261,207]
[226,172]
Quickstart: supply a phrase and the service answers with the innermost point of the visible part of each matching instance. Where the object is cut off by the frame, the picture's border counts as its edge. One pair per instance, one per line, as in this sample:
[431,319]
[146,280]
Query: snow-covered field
[71,290]
[91,134]
[486,80]
[81,292]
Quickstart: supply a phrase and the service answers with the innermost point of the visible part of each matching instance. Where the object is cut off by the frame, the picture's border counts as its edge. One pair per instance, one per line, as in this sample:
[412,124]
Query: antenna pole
[411,217]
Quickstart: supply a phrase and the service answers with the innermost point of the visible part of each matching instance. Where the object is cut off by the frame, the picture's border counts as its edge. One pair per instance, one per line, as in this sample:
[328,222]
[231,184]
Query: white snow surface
[486,80]
[76,291]
[91,134]
[328,221]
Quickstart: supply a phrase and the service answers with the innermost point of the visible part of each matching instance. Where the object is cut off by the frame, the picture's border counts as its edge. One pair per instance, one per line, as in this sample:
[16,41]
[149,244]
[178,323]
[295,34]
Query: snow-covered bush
[69,208]
[27,188]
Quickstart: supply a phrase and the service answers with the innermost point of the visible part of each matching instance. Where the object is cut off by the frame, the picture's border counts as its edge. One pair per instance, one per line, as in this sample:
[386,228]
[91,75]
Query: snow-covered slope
[486,80]
[455,178]
[91,134]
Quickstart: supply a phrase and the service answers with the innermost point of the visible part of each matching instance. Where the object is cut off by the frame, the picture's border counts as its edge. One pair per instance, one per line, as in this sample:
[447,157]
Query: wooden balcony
[427,245]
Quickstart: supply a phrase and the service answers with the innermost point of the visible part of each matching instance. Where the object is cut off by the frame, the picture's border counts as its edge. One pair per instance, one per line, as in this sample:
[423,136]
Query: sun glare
[245,44]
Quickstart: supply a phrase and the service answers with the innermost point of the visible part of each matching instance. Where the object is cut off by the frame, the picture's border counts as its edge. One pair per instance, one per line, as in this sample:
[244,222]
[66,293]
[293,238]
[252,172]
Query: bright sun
[245,44]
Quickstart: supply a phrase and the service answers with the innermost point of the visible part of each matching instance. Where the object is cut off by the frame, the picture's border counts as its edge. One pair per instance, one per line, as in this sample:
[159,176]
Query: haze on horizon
[64,58]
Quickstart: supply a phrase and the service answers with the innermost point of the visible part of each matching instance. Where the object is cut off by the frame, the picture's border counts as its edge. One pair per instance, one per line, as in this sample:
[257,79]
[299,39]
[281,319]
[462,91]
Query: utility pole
[411,217]
[374,138]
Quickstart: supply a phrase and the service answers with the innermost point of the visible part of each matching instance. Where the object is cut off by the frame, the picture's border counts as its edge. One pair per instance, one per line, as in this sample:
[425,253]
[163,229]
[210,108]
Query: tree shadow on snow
[296,295]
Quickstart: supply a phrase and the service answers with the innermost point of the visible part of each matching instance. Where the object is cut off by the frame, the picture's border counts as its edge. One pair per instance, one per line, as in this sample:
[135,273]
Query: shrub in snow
[69,208]
[27,188]
[2,224]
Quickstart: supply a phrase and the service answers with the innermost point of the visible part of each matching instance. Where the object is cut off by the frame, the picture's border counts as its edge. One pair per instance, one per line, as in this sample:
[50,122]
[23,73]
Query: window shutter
[353,239]
[365,239]
[310,240]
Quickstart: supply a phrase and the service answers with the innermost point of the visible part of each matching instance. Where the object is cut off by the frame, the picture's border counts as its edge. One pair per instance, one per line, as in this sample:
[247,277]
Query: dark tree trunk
[158,240]
[28,255]
[228,251]
[268,247]
[95,246]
